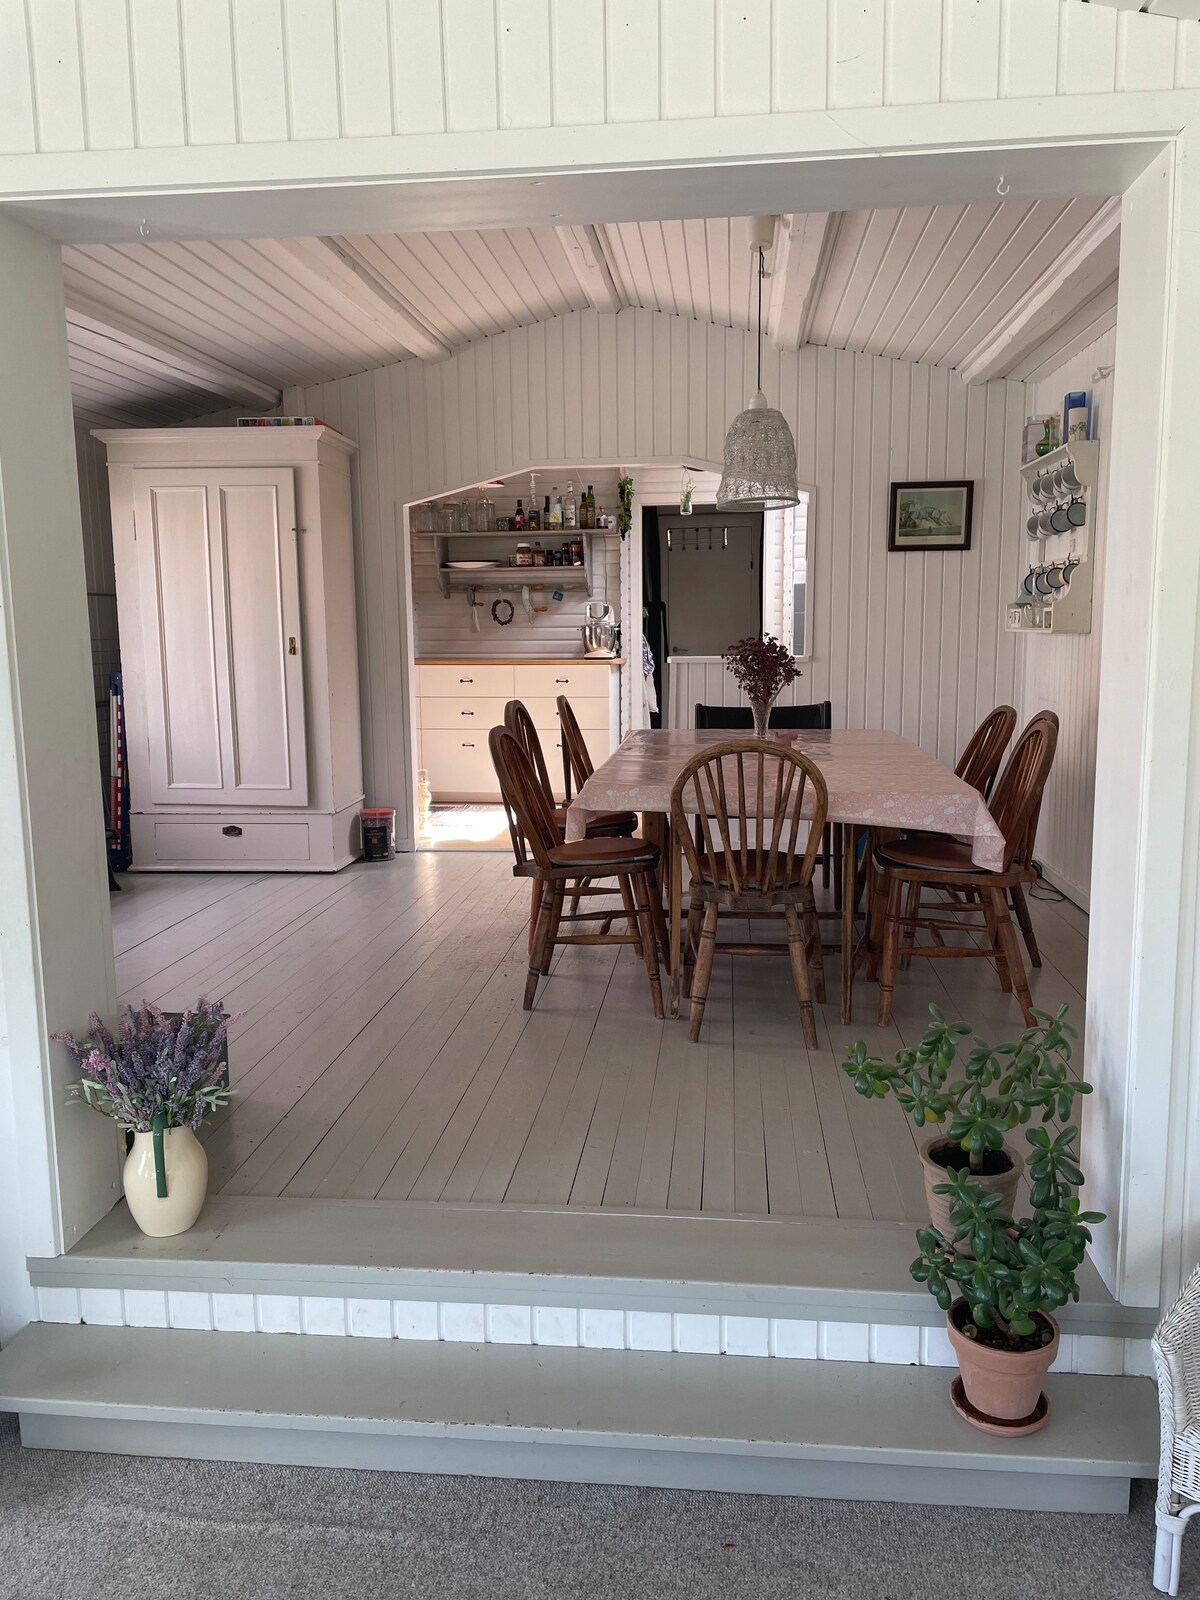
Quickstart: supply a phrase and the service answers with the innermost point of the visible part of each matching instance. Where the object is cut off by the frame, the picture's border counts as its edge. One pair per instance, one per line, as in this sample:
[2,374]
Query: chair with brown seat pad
[936,862]
[554,866]
[759,812]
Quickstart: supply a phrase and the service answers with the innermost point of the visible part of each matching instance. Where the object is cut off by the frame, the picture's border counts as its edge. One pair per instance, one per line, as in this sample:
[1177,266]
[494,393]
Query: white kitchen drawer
[551,680]
[451,712]
[459,765]
[591,715]
[467,678]
[196,840]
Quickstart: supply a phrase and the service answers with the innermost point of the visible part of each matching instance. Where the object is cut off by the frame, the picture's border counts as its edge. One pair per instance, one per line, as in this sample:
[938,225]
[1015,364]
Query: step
[840,1430]
[810,1269]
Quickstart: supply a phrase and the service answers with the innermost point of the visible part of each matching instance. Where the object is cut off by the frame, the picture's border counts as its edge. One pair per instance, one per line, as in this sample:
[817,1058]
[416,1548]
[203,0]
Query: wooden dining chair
[933,861]
[759,810]
[1016,893]
[816,714]
[553,866]
[980,761]
[576,758]
[605,825]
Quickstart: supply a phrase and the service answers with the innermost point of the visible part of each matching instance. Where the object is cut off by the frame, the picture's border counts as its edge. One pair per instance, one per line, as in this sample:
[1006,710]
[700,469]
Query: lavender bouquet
[159,1071]
[763,668]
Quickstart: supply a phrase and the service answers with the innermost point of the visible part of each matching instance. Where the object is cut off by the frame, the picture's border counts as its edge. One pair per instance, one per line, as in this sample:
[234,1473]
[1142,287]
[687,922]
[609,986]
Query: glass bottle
[546,513]
[556,510]
[589,520]
[533,518]
[519,516]
[569,514]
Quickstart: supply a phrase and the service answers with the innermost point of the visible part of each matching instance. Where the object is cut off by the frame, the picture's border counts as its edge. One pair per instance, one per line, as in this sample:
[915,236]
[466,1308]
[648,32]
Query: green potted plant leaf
[1001,1087]
[1011,1277]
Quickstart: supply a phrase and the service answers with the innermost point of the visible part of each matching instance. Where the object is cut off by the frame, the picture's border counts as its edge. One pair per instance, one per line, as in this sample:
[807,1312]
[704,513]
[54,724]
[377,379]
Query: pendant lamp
[760,452]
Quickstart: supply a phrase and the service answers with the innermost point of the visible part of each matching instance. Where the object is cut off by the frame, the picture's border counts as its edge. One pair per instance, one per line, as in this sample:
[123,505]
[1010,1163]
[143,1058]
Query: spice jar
[524,556]
[576,549]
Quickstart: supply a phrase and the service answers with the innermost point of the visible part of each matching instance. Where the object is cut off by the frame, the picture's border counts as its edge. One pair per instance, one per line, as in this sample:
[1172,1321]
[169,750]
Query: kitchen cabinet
[235,600]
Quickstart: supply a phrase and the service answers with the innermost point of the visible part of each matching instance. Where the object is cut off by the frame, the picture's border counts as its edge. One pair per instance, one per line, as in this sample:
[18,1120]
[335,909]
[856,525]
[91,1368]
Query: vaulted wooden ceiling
[162,332]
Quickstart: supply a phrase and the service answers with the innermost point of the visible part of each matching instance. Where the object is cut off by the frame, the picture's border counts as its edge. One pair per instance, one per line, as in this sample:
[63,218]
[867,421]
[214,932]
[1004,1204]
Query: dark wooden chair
[606,825]
[752,855]
[817,714]
[980,761]
[928,862]
[554,866]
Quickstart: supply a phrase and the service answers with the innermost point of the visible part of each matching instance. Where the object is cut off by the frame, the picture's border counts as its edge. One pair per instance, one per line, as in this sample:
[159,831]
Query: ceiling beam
[797,260]
[103,328]
[1087,264]
[341,266]
[585,251]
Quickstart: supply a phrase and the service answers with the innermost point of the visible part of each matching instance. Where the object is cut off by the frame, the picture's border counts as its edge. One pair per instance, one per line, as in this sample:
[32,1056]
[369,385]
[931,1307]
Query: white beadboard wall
[443,627]
[910,642]
[1062,671]
[116,75]
[589,1328]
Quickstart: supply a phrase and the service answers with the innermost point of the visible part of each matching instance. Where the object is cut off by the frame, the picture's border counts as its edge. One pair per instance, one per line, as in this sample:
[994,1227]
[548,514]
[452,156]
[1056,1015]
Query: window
[787,595]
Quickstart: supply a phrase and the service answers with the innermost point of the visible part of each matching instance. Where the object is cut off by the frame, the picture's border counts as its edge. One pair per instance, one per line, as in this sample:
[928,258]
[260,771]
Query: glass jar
[524,555]
[576,549]
[486,515]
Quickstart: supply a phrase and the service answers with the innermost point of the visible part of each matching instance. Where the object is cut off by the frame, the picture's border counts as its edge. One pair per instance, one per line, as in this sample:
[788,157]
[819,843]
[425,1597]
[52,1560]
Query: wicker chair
[1176,1347]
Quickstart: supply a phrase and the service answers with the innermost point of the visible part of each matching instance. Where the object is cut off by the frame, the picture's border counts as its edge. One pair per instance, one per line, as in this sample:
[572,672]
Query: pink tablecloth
[873,777]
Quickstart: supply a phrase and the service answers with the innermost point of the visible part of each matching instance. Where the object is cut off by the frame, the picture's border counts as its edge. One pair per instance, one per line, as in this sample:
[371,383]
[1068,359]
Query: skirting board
[659,1468]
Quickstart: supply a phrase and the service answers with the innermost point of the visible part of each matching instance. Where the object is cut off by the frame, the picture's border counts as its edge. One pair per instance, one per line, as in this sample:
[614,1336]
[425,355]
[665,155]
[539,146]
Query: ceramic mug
[1041,581]
[1056,577]
[1077,512]
[1056,477]
[1069,477]
[1043,488]
[1060,519]
[1045,524]
[1031,526]
[1028,581]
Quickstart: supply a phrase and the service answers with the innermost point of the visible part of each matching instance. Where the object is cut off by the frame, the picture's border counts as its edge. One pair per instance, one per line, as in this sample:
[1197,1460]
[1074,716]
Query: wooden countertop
[520,661]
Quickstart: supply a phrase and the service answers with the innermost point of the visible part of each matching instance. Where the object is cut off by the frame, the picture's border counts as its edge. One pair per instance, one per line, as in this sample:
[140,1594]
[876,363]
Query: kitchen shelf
[515,578]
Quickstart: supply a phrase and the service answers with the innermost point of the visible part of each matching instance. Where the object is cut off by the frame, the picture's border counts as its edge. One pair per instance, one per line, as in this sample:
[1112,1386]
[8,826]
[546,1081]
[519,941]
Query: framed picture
[931,516]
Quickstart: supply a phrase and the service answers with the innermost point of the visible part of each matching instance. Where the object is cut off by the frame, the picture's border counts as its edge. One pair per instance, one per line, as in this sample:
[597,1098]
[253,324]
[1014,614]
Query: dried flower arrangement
[762,668]
[158,1069]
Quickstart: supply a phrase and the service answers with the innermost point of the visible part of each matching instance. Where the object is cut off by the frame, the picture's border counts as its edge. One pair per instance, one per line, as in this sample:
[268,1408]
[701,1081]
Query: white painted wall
[1062,671]
[912,642]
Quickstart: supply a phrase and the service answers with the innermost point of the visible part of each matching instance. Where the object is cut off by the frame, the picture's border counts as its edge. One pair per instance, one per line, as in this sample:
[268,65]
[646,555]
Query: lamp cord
[762,269]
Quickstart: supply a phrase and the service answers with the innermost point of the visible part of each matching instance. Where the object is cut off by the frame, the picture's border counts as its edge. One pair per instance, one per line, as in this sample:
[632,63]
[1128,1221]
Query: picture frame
[930,514]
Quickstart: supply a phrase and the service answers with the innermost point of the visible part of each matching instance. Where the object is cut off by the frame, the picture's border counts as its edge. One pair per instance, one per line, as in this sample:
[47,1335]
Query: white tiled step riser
[598,1329]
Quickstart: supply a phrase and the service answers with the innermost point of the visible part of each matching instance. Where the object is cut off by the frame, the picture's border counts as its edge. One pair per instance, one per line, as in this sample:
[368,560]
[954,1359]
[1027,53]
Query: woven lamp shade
[760,460]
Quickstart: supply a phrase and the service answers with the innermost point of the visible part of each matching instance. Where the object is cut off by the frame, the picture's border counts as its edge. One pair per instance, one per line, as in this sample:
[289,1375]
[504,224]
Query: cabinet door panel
[181,620]
[266,689]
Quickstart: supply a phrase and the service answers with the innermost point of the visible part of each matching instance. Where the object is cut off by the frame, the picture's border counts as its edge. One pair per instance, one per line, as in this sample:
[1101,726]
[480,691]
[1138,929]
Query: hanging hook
[144,228]
[1003,187]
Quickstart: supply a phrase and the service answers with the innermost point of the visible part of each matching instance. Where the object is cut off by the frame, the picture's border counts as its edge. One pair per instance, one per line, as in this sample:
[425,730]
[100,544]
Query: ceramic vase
[186,1170]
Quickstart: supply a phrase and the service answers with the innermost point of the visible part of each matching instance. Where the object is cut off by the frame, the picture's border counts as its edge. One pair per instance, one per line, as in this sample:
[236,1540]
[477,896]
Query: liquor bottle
[546,513]
[589,516]
[519,516]
[556,510]
[534,518]
[569,517]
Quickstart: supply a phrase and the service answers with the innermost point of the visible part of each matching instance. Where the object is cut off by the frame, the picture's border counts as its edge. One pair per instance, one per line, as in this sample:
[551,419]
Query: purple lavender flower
[156,1066]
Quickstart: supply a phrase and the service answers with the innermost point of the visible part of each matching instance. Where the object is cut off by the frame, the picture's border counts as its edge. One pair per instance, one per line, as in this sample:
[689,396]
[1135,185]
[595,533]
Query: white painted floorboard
[381,1050]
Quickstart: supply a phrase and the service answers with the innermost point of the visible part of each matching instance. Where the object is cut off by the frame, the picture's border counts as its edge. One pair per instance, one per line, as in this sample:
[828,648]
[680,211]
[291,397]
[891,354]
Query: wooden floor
[382,1050]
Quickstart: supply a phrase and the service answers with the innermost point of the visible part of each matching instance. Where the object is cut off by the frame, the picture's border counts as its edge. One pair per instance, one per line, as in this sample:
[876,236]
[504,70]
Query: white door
[220,603]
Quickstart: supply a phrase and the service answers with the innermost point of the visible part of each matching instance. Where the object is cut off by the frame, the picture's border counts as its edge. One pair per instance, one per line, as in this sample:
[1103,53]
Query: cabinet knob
[291,644]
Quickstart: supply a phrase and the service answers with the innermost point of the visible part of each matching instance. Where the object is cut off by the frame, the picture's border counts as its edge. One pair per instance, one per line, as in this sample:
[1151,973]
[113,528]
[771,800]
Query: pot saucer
[1036,1419]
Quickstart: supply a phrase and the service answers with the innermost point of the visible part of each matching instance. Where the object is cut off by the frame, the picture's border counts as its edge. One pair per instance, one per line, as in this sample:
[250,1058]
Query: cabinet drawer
[475,713]
[591,715]
[486,679]
[459,765]
[549,681]
[196,840]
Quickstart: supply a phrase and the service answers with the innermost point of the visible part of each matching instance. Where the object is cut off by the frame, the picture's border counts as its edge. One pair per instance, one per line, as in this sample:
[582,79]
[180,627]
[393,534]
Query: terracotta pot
[187,1182]
[1003,1386]
[1002,1183]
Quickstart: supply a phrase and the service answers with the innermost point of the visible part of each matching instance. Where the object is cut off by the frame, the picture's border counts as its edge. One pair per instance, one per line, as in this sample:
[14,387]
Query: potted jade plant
[158,1079]
[1011,1277]
[762,669]
[1002,1086]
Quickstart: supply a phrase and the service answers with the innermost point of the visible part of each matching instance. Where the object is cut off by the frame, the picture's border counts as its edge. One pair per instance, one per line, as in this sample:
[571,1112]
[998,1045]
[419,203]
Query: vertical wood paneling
[1146,47]
[310,45]
[259,70]
[914,55]
[366,69]
[469,50]
[577,53]
[18,133]
[157,54]
[1027,72]
[857,29]
[54,38]
[418,90]
[743,43]
[632,60]
[971,51]
[208,72]
[524,34]
[107,87]
[1087,49]
[799,56]
[689,62]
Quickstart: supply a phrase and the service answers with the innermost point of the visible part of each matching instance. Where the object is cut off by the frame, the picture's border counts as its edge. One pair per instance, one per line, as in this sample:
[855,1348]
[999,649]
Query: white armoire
[235,600]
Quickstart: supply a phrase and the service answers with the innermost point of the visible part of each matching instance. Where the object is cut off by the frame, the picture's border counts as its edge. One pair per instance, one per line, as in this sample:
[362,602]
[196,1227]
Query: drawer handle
[232,831]
[466,713]
[562,680]
[467,746]
[466,680]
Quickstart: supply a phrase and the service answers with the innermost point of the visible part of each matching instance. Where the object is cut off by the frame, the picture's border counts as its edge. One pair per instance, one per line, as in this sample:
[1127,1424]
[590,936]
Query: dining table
[875,779]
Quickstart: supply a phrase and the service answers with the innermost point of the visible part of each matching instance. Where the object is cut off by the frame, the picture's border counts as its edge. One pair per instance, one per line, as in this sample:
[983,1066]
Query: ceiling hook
[144,228]
[1003,187]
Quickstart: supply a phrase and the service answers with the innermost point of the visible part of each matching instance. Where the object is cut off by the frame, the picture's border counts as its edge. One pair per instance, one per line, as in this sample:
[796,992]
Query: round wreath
[498,609]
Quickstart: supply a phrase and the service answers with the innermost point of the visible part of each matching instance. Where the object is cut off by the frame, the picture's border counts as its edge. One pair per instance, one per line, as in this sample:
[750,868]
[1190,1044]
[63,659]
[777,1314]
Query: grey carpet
[91,1527]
